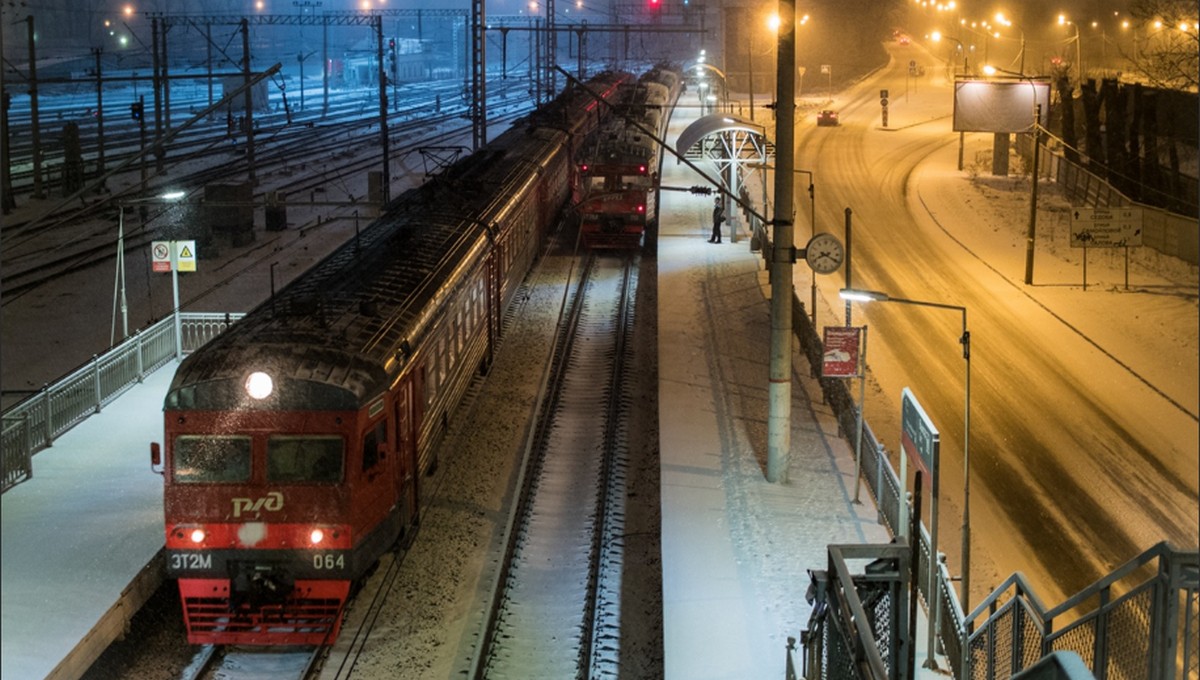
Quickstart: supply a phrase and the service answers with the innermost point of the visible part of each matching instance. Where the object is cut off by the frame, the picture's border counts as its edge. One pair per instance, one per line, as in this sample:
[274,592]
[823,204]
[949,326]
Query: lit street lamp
[1000,18]
[876,296]
[1063,21]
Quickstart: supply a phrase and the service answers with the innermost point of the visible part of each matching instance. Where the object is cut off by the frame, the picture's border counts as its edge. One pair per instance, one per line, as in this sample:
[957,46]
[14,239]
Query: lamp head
[855,295]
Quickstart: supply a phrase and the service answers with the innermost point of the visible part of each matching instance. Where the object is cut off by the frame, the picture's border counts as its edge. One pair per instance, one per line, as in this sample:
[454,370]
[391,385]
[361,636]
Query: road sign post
[1106,228]
[921,441]
[845,356]
[174,256]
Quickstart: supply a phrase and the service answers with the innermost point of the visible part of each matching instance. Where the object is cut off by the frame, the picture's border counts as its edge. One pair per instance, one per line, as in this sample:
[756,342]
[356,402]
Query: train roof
[337,335]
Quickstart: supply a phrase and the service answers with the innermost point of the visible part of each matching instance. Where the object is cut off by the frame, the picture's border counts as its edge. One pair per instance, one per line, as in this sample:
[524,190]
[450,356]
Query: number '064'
[329,561]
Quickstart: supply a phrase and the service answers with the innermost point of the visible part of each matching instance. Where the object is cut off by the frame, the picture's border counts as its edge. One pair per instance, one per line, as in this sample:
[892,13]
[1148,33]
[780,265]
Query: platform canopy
[721,125]
[730,144]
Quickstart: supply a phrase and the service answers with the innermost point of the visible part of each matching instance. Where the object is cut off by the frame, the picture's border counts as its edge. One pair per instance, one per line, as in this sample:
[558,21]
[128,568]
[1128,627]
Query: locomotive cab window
[304,459]
[372,440]
[201,459]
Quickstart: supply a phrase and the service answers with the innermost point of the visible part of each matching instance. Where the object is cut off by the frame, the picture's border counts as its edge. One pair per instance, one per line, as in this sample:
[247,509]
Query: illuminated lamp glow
[259,385]
[197,535]
[316,536]
[641,208]
[642,169]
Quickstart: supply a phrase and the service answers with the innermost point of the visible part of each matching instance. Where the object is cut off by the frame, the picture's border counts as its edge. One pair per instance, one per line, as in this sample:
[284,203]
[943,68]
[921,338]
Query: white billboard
[999,105]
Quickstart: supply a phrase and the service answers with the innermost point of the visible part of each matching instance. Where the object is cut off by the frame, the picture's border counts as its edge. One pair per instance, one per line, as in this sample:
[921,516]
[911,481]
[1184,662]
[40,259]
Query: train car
[621,164]
[295,442]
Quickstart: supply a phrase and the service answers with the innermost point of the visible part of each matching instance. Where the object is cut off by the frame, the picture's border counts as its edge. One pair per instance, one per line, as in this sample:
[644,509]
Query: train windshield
[204,459]
[312,458]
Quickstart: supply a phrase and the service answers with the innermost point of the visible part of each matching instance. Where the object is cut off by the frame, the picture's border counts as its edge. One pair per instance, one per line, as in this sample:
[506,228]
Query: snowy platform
[82,539]
[736,549]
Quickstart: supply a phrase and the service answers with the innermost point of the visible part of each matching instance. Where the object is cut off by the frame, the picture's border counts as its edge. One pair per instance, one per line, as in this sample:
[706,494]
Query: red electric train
[294,443]
[620,166]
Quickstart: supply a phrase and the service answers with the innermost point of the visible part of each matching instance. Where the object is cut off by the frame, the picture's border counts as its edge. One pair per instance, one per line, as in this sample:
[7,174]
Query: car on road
[827,117]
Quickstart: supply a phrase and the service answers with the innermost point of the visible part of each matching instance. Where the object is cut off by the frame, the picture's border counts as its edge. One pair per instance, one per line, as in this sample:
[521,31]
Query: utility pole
[164,81]
[779,417]
[1033,191]
[551,51]
[7,202]
[383,123]
[208,44]
[96,52]
[478,74]
[33,114]
[156,82]
[249,99]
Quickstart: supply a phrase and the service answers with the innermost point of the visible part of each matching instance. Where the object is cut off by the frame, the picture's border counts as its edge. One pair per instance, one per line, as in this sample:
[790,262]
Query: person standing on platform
[718,218]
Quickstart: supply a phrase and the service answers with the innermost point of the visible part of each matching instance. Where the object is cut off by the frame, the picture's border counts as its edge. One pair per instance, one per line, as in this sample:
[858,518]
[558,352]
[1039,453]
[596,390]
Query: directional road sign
[1106,227]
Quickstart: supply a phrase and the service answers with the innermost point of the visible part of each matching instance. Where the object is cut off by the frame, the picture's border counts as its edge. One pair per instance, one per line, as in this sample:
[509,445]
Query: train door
[375,492]
[406,453]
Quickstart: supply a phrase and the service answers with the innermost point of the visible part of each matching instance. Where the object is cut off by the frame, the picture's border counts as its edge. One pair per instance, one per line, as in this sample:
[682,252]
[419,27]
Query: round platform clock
[824,253]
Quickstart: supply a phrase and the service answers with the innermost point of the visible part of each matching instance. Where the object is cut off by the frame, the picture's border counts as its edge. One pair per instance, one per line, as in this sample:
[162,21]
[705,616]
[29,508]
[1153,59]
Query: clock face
[824,253]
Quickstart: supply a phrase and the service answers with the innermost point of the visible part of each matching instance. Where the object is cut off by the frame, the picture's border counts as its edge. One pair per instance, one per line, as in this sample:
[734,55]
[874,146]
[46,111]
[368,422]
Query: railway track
[351,108]
[555,611]
[31,259]
[215,662]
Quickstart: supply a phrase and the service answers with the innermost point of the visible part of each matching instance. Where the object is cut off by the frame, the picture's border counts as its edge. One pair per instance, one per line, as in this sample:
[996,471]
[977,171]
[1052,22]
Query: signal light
[197,536]
[135,110]
[642,169]
[583,167]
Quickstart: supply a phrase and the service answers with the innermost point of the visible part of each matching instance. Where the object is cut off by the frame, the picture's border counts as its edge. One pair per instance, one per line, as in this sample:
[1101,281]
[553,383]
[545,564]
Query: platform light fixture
[859,295]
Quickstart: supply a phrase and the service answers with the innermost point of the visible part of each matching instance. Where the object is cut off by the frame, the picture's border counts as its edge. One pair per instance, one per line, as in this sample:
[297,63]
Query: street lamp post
[876,296]
[1063,21]
[1000,18]
[936,36]
[119,276]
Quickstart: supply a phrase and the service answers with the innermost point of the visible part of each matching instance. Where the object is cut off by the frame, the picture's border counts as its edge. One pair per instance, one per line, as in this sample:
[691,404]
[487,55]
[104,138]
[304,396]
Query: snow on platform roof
[712,124]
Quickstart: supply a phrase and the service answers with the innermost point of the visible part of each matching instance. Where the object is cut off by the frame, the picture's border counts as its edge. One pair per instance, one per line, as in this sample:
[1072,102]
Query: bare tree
[1166,50]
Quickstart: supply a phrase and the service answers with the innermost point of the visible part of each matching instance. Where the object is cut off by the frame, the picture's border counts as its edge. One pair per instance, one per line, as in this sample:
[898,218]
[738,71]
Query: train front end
[617,203]
[261,529]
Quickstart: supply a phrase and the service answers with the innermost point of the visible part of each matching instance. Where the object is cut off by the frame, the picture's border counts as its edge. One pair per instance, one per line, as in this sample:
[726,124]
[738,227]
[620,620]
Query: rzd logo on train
[272,502]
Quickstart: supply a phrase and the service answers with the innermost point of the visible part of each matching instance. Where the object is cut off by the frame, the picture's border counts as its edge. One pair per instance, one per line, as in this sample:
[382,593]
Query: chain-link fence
[1137,623]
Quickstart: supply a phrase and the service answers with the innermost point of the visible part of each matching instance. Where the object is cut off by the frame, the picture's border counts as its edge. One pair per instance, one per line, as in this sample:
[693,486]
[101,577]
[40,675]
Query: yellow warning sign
[187,255]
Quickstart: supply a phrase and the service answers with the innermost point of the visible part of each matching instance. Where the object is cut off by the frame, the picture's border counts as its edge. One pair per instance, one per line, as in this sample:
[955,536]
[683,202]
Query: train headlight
[197,536]
[316,536]
[259,385]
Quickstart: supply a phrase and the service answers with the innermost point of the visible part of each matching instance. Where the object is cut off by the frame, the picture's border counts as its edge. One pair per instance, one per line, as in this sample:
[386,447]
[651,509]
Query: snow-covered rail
[556,596]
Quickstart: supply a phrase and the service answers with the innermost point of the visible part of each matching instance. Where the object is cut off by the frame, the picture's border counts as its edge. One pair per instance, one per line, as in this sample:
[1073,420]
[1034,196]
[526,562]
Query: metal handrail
[33,423]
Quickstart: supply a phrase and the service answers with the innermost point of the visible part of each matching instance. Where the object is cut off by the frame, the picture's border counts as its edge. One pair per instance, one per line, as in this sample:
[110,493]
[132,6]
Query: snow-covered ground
[767,535]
